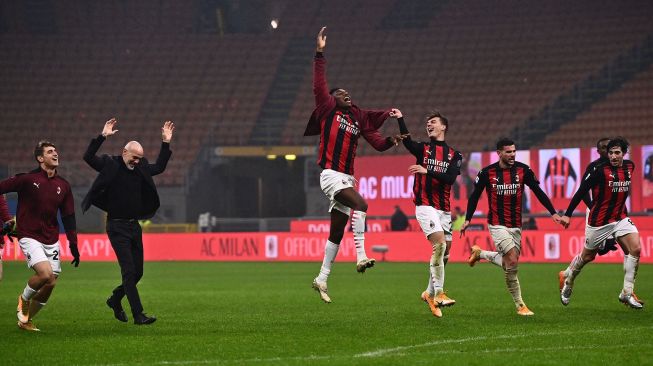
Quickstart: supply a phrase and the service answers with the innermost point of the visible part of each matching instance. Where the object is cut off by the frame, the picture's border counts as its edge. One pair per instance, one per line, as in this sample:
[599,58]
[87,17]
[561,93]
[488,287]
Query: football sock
[34,308]
[430,289]
[358,227]
[446,259]
[436,266]
[28,293]
[513,285]
[631,264]
[330,252]
[492,257]
[574,269]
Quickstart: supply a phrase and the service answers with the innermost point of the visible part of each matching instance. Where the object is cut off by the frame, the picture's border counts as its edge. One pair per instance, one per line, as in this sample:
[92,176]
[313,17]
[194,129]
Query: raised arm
[164,154]
[320,87]
[90,156]
[412,146]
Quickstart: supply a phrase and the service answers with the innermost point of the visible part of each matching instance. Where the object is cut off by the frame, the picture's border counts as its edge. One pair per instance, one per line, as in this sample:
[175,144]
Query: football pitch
[267,314]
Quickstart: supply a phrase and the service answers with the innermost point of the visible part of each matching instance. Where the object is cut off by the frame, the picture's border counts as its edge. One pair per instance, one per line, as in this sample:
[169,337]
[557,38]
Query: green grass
[267,313]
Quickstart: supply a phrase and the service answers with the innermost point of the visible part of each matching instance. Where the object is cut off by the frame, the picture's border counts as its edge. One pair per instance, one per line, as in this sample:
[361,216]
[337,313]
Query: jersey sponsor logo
[347,126]
[435,165]
[506,189]
[619,186]
[36,184]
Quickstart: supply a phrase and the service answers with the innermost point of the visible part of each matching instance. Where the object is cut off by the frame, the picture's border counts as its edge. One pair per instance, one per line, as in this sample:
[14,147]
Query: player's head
[343,100]
[602,147]
[437,124]
[46,155]
[617,148]
[132,154]
[507,151]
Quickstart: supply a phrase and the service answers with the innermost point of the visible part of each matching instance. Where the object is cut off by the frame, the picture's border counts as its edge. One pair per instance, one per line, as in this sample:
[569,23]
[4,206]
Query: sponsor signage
[537,246]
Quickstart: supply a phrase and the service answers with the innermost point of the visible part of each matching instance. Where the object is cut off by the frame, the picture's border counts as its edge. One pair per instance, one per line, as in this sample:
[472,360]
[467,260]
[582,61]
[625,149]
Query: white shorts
[332,182]
[36,252]
[505,238]
[432,220]
[596,235]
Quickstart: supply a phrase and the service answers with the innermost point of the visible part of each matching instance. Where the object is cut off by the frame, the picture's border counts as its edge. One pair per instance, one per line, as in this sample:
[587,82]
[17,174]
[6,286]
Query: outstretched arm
[4,210]
[412,146]
[90,156]
[472,202]
[320,88]
[164,154]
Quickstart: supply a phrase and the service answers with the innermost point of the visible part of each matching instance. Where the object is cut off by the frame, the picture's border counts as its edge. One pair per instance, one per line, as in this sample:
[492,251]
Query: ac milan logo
[432,224]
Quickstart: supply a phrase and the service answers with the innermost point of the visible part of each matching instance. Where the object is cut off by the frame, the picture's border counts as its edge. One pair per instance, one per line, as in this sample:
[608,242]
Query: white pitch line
[385,351]
[397,351]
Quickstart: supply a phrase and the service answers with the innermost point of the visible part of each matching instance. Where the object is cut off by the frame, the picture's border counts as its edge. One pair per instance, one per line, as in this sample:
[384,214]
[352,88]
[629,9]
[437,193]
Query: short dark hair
[40,147]
[436,113]
[504,141]
[619,141]
[333,90]
[598,142]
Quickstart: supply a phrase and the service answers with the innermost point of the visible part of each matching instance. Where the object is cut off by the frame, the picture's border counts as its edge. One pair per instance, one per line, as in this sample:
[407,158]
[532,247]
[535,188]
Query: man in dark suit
[125,190]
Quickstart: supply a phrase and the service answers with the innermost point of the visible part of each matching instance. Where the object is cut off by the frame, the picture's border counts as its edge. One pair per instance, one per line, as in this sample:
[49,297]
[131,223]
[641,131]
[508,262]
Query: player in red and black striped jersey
[42,193]
[505,181]
[559,171]
[609,244]
[340,124]
[436,168]
[610,184]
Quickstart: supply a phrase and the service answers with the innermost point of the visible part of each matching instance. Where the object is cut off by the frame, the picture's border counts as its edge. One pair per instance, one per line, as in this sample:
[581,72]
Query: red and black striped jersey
[610,186]
[559,170]
[505,188]
[338,141]
[442,165]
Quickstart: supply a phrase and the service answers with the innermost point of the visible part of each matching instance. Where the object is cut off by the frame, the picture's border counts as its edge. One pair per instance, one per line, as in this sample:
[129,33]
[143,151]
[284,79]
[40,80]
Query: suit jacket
[108,167]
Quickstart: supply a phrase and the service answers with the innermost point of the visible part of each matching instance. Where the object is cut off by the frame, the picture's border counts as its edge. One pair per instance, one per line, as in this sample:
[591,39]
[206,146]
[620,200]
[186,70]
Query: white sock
[492,257]
[512,282]
[437,266]
[28,293]
[358,227]
[330,252]
[574,269]
[430,289]
[631,264]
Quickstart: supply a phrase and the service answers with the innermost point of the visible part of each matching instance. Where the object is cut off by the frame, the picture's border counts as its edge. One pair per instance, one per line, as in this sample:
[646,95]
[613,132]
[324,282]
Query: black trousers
[127,241]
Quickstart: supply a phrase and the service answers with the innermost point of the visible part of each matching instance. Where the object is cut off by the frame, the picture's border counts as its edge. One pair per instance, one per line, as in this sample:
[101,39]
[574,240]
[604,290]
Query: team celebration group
[125,190]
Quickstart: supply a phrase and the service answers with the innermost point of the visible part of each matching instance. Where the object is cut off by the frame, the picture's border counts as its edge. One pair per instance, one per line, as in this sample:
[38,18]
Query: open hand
[166,131]
[321,40]
[108,127]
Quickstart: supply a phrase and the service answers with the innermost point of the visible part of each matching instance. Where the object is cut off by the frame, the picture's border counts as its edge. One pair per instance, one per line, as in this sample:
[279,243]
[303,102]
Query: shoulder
[63,181]
[629,163]
[519,164]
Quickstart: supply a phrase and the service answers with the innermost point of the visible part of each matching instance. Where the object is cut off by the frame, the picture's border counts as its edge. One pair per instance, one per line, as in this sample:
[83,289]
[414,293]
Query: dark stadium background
[550,74]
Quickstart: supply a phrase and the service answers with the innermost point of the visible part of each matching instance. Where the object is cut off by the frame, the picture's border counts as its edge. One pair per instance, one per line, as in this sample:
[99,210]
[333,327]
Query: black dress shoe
[118,312]
[142,319]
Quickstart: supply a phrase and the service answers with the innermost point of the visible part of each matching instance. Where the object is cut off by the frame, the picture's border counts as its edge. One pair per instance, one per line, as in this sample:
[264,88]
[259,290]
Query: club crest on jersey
[58,190]
[432,224]
[517,178]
